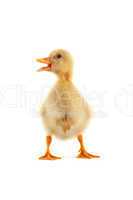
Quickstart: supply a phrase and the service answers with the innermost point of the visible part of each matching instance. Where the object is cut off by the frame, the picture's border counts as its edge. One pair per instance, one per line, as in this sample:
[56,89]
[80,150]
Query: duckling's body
[65,113]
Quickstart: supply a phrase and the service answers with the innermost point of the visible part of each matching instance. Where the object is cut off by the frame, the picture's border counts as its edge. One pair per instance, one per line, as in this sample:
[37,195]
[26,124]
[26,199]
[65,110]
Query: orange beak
[44,61]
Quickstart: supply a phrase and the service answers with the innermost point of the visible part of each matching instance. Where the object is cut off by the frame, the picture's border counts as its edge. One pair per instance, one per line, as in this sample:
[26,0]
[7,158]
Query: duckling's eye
[59,56]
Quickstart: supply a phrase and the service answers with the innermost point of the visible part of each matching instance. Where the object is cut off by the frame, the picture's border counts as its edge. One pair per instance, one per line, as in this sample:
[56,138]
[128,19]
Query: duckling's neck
[65,76]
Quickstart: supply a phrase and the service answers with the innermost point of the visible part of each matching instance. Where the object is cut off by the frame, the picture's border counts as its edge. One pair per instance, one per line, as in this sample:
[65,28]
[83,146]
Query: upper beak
[45,61]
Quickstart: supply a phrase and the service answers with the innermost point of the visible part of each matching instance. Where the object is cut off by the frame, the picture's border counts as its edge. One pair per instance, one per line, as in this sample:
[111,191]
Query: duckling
[65,113]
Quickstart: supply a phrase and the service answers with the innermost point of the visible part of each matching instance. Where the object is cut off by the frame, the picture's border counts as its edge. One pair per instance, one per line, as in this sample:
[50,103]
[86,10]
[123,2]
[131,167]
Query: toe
[49,156]
[86,155]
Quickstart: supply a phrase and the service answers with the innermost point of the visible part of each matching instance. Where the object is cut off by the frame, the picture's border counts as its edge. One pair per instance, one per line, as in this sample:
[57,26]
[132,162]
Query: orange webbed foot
[85,155]
[49,156]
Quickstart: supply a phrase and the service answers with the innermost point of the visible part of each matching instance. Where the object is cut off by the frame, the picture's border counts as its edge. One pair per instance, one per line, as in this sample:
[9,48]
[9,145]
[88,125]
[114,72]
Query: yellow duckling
[64,113]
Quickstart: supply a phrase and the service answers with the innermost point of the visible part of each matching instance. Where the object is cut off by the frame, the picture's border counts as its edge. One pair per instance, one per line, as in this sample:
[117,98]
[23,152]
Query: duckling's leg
[83,153]
[48,155]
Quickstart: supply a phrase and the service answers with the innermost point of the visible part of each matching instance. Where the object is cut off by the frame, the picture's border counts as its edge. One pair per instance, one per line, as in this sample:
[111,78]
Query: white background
[99,34]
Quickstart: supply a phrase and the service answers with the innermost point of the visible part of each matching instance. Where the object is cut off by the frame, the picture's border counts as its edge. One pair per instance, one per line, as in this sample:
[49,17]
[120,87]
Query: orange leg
[48,155]
[83,153]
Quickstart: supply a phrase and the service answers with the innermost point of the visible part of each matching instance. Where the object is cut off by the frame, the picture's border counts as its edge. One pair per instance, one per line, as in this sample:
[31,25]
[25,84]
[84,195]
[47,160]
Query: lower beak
[44,61]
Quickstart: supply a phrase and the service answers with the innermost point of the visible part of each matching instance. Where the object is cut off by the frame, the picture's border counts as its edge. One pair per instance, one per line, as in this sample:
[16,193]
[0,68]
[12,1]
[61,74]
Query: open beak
[44,61]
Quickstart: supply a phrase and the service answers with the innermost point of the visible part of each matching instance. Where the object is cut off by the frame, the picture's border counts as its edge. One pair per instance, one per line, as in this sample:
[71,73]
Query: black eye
[59,56]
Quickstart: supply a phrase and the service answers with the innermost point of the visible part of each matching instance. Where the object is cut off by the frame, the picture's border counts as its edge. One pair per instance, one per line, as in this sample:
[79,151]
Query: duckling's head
[60,62]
